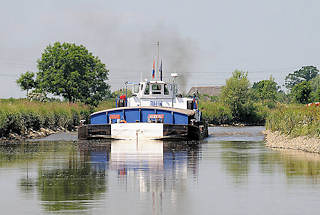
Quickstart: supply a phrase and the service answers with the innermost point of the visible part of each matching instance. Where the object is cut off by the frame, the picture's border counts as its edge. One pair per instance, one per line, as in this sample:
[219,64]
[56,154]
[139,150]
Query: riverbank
[32,135]
[277,140]
[22,119]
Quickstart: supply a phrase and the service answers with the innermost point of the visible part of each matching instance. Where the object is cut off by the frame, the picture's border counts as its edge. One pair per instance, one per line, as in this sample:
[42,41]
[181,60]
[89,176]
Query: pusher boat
[154,111]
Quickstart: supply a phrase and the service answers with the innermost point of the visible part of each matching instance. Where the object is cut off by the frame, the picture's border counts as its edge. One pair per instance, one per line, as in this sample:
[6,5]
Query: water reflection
[74,181]
[149,177]
[236,159]
[293,164]
[73,176]
[21,156]
[136,156]
[155,167]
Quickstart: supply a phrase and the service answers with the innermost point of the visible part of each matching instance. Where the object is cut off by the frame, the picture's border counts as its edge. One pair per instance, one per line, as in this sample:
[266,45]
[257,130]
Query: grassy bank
[218,113]
[20,116]
[295,120]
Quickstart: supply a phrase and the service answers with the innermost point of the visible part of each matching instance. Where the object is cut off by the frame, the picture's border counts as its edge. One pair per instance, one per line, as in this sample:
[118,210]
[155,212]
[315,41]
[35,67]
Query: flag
[160,70]
[153,70]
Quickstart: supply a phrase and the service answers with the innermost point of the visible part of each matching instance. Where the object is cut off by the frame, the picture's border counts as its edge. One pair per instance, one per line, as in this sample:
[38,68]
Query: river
[231,172]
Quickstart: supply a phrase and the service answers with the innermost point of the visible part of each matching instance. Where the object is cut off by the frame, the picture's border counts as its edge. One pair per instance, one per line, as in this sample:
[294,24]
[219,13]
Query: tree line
[241,102]
[72,72]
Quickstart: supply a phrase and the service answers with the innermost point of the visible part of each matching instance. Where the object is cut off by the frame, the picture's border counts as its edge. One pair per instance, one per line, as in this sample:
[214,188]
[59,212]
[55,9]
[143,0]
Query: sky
[204,40]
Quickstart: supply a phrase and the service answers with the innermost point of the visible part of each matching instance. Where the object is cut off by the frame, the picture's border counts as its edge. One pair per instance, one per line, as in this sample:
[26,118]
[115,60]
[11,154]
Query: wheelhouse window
[147,90]
[156,88]
[166,90]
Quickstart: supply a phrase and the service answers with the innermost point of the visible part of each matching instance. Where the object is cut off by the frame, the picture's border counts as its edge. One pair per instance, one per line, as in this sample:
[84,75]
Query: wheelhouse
[151,89]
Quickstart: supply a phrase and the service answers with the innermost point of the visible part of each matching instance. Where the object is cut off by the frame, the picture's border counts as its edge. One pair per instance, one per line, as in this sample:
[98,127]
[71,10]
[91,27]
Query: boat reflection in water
[72,177]
[136,156]
[153,168]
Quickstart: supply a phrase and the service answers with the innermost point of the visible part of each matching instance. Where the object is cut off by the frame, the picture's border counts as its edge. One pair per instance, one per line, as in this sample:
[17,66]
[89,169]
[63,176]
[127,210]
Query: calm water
[230,173]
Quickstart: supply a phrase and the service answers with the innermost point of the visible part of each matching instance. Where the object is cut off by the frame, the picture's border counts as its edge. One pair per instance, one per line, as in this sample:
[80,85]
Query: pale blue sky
[204,40]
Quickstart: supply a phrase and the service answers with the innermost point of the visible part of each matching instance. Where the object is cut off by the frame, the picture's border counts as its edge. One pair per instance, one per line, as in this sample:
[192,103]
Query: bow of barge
[155,111]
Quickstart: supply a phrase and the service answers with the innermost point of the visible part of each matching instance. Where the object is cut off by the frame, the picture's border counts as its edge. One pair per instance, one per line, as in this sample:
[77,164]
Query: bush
[295,120]
[254,113]
[219,113]
[216,113]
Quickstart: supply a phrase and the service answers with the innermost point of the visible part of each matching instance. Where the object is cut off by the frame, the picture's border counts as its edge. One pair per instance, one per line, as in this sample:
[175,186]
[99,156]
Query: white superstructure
[157,93]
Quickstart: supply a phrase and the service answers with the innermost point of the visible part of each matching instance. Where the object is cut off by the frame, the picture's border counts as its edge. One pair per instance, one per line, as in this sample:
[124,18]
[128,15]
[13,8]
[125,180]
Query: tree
[236,93]
[265,89]
[315,86]
[26,81]
[302,92]
[71,71]
[306,73]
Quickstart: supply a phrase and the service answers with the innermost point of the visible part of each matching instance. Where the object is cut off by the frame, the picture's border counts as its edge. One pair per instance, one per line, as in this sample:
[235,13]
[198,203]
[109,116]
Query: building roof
[210,91]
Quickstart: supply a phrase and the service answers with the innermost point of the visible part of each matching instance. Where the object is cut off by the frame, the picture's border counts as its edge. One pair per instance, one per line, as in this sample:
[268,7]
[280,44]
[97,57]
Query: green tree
[71,71]
[315,86]
[306,73]
[265,90]
[236,93]
[283,97]
[26,81]
[301,92]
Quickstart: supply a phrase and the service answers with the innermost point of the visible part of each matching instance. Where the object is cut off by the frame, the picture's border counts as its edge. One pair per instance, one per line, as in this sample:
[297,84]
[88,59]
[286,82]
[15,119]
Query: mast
[158,44]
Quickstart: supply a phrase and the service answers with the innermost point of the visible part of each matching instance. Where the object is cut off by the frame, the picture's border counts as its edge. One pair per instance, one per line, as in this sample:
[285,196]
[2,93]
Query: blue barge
[155,111]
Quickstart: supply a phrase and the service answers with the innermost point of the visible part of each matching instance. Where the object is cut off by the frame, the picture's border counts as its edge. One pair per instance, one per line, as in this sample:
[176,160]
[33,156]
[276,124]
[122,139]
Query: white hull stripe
[137,130]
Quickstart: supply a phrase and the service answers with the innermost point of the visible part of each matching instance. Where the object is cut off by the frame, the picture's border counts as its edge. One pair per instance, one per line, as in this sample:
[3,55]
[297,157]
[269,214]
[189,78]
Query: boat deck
[178,110]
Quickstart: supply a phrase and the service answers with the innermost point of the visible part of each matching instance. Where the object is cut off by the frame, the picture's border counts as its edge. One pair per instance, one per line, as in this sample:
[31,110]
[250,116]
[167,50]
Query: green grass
[219,113]
[20,116]
[295,120]
[107,104]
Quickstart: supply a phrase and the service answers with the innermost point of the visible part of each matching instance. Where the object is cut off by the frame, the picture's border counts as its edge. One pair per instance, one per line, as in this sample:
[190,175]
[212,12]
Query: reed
[106,104]
[295,120]
[19,116]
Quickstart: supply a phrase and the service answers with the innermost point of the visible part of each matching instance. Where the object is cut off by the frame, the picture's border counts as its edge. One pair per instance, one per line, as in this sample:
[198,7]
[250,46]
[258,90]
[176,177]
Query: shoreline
[44,132]
[302,143]
[32,135]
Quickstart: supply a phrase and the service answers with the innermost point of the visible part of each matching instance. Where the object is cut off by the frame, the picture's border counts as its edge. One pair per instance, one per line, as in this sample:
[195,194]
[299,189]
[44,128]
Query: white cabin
[159,94]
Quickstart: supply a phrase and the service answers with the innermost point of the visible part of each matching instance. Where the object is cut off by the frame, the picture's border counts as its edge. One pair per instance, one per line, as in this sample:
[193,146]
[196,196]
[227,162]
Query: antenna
[158,53]
[158,44]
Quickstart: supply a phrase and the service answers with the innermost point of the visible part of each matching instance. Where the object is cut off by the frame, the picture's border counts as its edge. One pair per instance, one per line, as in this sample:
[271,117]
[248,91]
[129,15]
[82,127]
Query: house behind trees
[206,91]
